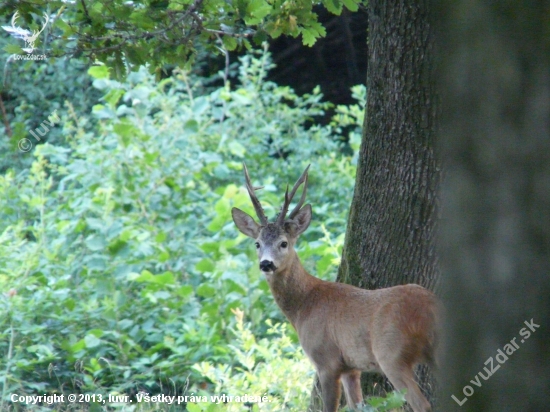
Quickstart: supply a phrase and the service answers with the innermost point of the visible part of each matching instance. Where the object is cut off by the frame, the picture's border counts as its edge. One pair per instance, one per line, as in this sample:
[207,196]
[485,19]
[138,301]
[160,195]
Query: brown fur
[344,329]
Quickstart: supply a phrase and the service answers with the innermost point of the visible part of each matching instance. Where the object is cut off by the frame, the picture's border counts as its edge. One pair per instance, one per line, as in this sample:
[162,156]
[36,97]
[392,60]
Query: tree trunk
[390,232]
[495,231]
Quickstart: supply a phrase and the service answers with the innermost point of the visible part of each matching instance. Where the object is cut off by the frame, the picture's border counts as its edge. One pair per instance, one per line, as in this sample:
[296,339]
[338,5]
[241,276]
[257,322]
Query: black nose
[267,266]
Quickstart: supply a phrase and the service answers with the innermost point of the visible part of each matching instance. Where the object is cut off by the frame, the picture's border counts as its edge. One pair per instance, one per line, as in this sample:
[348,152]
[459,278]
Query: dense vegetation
[128,34]
[121,269]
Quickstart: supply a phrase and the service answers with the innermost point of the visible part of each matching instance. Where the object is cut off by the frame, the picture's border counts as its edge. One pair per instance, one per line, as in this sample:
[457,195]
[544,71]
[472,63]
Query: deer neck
[290,288]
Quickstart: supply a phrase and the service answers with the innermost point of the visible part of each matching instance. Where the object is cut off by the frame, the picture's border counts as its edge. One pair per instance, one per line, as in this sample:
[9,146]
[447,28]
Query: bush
[122,269]
[31,91]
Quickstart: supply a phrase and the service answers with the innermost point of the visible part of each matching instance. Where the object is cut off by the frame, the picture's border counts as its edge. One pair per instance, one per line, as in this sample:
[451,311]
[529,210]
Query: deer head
[275,241]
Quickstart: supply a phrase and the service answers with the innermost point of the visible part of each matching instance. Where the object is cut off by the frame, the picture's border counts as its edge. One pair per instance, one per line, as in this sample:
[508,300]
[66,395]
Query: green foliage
[258,363]
[125,34]
[120,267]
[392,401]
[31,91]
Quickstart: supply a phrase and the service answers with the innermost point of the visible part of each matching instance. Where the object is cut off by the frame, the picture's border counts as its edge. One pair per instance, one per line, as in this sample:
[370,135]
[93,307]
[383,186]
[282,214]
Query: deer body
[343,329]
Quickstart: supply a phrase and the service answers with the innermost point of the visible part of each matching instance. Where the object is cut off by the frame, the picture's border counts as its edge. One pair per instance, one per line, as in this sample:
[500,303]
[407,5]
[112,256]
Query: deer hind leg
[402,377]
[396,355]
[352,388]
[330,390]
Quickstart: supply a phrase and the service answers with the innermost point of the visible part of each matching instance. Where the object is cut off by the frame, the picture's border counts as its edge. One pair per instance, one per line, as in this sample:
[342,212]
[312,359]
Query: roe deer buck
[343,329]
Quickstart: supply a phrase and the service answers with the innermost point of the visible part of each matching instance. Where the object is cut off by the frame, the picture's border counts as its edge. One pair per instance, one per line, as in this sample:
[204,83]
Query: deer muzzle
[267,266]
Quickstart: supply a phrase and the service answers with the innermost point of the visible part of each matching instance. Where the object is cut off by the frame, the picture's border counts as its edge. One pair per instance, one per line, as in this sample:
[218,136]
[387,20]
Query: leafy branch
[162,32]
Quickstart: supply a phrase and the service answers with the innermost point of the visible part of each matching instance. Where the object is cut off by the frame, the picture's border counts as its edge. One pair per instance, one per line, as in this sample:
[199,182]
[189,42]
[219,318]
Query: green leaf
[260,36]
[95,224]
[395,399]
[200,105]
[193,407]
[102,112]
[257,10]
[230,43]
[113,96]
[191,126]
[61,24]
[334,6]
[91,341]
[13,49]
[236,149]
[351,5]
[324,263]
[166,278]
[222,206]
[78,346]
[185,291]
[116,246]
[308,37]
[98,333]
[69,304]
[96,242]
[311,33]
[99,72]
[274,30]
[210,247]
[163,256]
[206,291]
[119,65]
[136,55]
[125,129]
[205,265]
[318,28]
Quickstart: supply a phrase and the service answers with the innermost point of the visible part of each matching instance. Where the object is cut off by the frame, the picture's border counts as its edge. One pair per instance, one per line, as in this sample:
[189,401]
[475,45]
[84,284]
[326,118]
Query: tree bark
[495,231]
[391,227]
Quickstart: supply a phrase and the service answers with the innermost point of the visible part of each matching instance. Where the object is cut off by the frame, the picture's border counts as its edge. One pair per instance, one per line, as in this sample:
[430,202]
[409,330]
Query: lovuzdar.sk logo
[26,35]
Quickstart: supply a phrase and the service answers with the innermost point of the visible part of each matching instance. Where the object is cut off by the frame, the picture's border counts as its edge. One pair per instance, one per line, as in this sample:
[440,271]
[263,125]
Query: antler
[47,18]
[14,19]
[288,199]
[16,31]
[36,33]
[257,206]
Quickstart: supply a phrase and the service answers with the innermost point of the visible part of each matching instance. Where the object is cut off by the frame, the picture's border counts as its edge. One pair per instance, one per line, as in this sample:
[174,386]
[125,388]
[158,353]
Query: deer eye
[257,245]
[284,244]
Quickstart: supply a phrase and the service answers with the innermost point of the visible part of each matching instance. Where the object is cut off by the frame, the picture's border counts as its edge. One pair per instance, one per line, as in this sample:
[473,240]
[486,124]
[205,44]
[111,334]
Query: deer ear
[245,223]
[300,222]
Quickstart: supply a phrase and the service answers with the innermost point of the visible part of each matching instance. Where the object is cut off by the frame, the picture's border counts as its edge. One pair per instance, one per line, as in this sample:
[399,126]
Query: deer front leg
[330,390]
[352,388]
